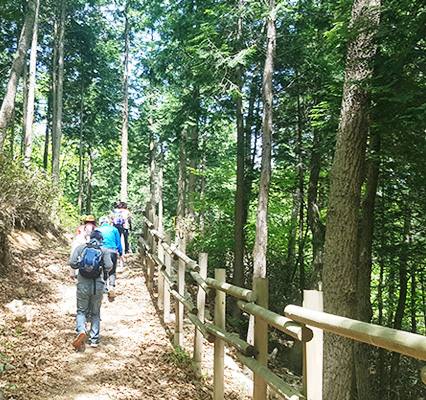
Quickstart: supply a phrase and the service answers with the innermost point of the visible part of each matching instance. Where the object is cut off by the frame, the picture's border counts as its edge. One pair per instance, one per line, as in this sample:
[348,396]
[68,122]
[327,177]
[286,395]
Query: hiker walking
[127,226]
[90,259]
[117,217]
[89,224]
[112,242]
[82,236]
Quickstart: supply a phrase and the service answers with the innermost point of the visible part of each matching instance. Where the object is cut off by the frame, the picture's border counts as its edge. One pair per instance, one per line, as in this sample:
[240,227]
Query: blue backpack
[90,264]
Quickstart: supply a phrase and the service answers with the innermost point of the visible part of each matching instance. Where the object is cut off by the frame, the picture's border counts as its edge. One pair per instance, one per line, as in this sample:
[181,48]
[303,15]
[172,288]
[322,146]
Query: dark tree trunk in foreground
[346,177]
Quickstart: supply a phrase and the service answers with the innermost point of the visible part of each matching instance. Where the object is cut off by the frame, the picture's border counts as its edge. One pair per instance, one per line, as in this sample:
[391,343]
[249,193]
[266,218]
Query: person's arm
[118,241]
[106,257]
[76,257]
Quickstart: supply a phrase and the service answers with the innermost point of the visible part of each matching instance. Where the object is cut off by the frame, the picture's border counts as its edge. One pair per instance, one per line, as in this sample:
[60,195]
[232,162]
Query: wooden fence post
[181,291]
[219,346]
[201,302]
[166,296]
[142,254]
[151,241]
[260,287]
[313,350]
[160,275]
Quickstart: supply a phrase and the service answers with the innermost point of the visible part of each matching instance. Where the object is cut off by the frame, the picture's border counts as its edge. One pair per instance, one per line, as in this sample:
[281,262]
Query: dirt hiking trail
[135,358]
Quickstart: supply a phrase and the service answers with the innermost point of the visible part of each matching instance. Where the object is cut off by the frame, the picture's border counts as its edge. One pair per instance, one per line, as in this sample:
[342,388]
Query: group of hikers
[95,252]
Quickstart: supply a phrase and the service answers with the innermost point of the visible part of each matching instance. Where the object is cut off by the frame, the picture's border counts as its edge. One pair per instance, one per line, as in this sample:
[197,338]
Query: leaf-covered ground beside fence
[135,359]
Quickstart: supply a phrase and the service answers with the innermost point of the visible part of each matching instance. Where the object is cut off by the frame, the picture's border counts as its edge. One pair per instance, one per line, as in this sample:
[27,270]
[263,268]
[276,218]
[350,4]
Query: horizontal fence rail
[305,324]
[402,342]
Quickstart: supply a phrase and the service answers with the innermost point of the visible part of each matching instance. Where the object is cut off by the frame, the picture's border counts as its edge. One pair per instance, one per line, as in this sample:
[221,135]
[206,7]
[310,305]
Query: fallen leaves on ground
[135,359]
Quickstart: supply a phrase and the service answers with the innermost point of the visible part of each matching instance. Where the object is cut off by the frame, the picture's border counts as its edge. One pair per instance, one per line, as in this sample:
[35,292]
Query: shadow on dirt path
[134,360]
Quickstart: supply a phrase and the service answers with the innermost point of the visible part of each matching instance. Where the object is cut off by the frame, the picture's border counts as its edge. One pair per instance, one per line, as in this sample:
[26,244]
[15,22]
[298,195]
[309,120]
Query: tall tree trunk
[381,367]
[24,106]
[248,129]
[124,130]
[346,178]
[81,160]
[403,285]
[203,179]
[89,181]
[180,212]
[301,193]
[313,216]
[291,246]
[362,350]
[193,162]
[413,298]
[12,135]
[48,125]
[17,68]
[160,192]
[261,240]
[58,93]
[239,240]
[29,116]
[422,281]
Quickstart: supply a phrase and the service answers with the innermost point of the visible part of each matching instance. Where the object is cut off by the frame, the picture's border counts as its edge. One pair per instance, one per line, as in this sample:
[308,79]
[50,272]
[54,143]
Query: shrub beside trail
[28,200]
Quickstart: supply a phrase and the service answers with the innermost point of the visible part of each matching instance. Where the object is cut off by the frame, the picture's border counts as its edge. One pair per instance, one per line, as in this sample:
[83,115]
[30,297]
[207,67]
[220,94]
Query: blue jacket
[112,238]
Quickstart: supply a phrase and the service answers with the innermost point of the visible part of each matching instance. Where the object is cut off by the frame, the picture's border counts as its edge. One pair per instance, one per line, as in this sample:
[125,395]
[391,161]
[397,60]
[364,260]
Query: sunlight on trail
[134,360]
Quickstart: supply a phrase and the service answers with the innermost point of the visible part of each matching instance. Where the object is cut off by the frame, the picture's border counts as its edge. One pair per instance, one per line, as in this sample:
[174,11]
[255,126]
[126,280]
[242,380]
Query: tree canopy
[195,86]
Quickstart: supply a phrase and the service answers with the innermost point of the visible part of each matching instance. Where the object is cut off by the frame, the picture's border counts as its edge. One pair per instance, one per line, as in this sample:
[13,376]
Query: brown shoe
[79,339]
[111,294]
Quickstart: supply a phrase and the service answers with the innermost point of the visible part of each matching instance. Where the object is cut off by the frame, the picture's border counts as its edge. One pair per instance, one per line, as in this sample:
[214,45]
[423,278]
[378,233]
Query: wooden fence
[305,324]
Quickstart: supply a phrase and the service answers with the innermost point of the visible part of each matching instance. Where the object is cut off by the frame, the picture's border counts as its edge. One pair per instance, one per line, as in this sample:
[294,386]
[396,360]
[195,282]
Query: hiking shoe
[93,344]
[79,339]
[111,294]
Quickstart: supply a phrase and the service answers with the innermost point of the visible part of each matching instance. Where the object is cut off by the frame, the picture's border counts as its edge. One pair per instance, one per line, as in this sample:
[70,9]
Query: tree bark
[313,216]
[29,117]
[48,125]
[403,288]
[261,240]
[160,192]
[89,181]
[180,211]
[24,106]
[81,160]
[17,68]
[12,135]
[301,194]
[413,296]
[346,178]
[124,129]
[58,76]
[193,162]
[291,247]
[203,180]
[239,239]
[362,350]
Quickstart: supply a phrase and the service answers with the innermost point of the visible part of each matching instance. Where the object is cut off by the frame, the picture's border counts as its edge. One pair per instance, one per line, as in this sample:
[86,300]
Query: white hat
[103,220]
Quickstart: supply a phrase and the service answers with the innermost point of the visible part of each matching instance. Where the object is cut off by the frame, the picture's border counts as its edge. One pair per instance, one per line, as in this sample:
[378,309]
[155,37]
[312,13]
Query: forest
[285,137]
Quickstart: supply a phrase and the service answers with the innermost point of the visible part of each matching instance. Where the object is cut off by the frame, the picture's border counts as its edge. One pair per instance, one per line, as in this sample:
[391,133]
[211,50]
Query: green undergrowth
[29,201]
